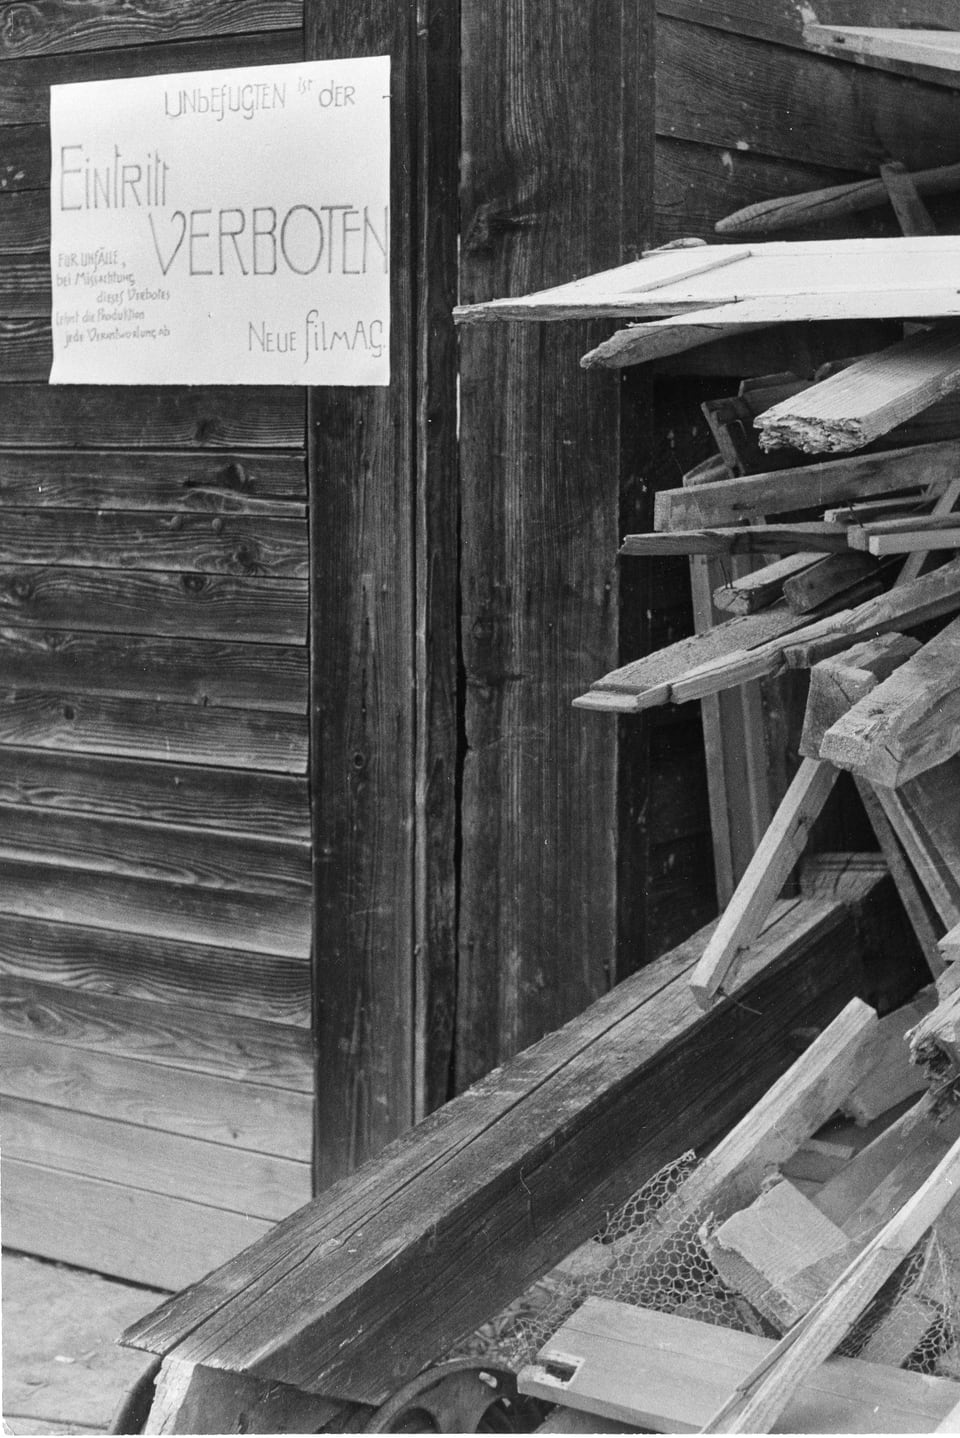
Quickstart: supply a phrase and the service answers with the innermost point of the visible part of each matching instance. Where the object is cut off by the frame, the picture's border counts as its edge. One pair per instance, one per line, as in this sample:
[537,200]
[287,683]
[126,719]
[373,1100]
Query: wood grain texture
[117,1229]
[204,606]
[25,350]
[196,1105]
[197,857]
[256,1185]
[25,83]
[184,671]
[450,1192]
[25,164]
[243,483]
[100,417]
[25,222]
[551,189]
[43,27]
[729,90]
[117,539]
[247,802]
[171,1036]
[181,733]
[782,21]
[227,918]
[25,290]
[102,962]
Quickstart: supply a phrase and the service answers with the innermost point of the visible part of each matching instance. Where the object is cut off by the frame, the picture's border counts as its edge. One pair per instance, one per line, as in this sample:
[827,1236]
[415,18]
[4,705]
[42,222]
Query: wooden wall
[155,885]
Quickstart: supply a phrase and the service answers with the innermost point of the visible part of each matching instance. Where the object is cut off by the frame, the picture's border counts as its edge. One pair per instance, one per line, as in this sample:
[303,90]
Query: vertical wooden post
[557,176]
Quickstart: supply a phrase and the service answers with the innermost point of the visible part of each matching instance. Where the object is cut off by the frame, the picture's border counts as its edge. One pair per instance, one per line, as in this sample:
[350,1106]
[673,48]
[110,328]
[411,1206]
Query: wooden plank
[768,870]
[183,733]
[246,482]
[26,160]
[761,587]
[815,535]
[24,285]
[100,417]
[25,83]
[912,214]
[104,962]
[191,1398]
[834,577]
[781,22]
[938,49]
[909,723]
[920,909]
[809,486]
[868,398]
[936,876]
[464,1161]
[183,670]
[227,918]
[252,803]
[194,1105]
[197,857]
[890,1077]
[238,1180]
[25,222]
[836,684]
[907,535]
[49,27]
[930,801]
[209,606]
[118,1230]
[24,349]
[280,1056]
[668,1373]
[115,539]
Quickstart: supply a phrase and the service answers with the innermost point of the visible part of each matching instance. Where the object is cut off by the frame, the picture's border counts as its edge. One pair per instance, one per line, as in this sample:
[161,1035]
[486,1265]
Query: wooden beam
[191,1398]
[920,909]
[767,872]
[939,49]
[531,1157]
[868,398]
[762,587]
[912,214]
[860,476]
[889,1077]
[835,576]
[910,722]
[837,683]
[815,535]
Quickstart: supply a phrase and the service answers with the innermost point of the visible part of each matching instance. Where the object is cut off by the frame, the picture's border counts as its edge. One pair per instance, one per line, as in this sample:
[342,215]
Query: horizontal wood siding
[155,898]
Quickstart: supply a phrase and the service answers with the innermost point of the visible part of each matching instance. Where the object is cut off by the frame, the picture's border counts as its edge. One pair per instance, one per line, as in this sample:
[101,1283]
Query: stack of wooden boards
[863,1252]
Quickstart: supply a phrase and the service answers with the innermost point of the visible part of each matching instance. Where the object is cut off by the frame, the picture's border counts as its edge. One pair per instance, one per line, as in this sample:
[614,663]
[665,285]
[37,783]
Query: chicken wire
[650,1254]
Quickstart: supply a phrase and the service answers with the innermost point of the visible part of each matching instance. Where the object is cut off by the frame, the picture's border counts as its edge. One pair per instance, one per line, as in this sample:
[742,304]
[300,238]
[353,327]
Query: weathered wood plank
[243,483]
[566,1106]
[45,27]
[252,802]
[221,918]
[124,1229]
[24,349]
[183,671]
[25,164]
[782,21]
[102,962]
[25,83]
[172,1036]
[24,285]
[257,1185]
[101,417]
[181,733]
[115,539]
[814,535]
[25,224]
[197,857]
[196,1105]
[201,606]
[759,588]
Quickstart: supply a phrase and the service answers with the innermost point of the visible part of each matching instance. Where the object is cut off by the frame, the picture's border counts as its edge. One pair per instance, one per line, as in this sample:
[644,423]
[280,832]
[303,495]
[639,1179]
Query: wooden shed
[299,833]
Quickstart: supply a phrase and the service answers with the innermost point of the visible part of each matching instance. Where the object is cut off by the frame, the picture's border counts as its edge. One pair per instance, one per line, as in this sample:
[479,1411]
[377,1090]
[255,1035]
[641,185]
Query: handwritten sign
[224,227]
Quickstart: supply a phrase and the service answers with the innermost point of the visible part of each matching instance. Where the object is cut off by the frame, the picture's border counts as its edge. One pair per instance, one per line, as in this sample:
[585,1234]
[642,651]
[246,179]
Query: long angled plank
[809,486]
[182,670]
[184,733]
[246,482]
[416,1209]
[249,802]
[817,535]
[768,870]
[222,544]
[208,606]
[939,49]
[105,963]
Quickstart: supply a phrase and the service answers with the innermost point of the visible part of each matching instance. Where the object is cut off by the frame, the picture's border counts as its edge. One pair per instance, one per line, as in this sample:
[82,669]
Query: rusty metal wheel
[461,1396]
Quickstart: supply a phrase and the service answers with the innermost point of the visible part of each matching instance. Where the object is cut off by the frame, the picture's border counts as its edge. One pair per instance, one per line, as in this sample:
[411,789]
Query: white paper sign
[224,227]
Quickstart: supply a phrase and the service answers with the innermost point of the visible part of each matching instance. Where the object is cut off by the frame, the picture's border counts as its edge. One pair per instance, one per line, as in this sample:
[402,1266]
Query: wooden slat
[181,733]
[25,285]
[248,802]
[102,962]
[51,27]
[25,83]
[171,1036]
[208,606]
[200,858]
[919,907]
[113,1229]
[219,1111]
[221,918]
[101,417]
[25,223]
[815,535]
[25,164]
[247,482]
[225,544]
[729,90]
[253,1184]
[782,22]
[184,671]
[758,588]
[25,349]
[938,49]
[808,486]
